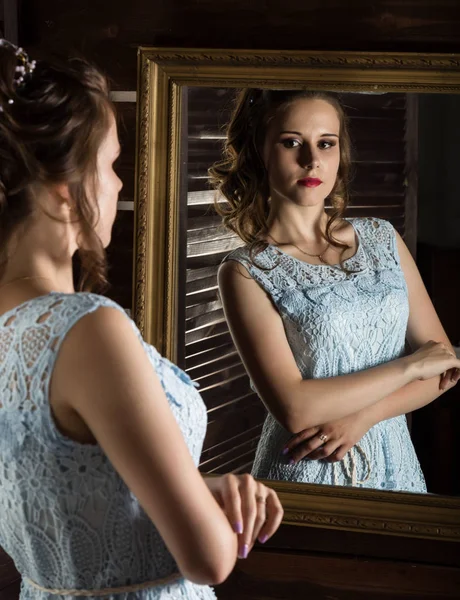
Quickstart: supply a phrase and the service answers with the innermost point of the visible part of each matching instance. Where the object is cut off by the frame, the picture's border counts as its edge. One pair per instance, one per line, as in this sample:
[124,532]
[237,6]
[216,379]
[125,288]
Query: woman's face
[302,152]
[109,184]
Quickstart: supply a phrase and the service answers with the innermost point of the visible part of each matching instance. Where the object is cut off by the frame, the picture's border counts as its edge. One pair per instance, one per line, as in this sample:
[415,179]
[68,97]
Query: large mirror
[404,124]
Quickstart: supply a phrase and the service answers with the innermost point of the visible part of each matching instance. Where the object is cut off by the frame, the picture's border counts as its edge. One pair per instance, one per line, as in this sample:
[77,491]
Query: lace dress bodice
[338,323]
[66,517]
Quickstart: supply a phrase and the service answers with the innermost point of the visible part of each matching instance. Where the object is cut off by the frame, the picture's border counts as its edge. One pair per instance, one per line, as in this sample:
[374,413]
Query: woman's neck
[44,264]
[38,273]
[297,225]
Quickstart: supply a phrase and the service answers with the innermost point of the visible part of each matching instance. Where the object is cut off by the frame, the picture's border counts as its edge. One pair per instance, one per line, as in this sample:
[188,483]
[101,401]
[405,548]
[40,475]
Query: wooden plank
[209,356]
[208,233]
[194,274]
[237,422]
[219,366]
[280,574]
[8,572]
[202,297]
[200,321]
[211,342]
[120,259]
[232,440]
[234,389]
[109,34]
[219,101]
[212,247]
[232,450]
[206,260]
[10,20]
[198,310]
[237,409]
[222,378]
[206,332]
[11,592]
[233,463]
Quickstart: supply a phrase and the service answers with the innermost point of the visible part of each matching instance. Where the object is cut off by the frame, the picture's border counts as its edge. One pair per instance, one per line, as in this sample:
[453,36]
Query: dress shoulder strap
[379,238]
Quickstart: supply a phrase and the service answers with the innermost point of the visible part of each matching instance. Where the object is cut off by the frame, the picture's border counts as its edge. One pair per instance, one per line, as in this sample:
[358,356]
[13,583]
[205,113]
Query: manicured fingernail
[285,451]
[263,538]
[238,527]
[245,551]
[291,461]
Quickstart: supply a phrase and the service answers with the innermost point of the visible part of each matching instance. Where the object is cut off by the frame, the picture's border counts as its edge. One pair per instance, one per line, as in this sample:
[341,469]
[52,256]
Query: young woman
[320,306]
[99,435]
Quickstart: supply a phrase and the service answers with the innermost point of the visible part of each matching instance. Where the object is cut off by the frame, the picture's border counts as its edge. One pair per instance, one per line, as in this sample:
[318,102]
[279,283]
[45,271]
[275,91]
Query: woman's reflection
[320,306]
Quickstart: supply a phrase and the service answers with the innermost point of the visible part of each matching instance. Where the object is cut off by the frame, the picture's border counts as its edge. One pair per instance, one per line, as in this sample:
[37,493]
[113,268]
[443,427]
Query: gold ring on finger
[261,499]
[323,438]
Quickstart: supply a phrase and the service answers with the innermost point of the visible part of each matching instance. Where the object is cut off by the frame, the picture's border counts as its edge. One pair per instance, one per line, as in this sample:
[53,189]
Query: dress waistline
[108,591]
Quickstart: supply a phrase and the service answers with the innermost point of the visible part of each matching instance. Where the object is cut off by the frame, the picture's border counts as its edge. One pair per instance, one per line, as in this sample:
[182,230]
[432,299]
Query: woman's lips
[310,182]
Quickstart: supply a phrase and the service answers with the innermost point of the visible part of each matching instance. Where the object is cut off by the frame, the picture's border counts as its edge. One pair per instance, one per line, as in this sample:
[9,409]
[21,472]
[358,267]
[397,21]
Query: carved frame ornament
[161,74]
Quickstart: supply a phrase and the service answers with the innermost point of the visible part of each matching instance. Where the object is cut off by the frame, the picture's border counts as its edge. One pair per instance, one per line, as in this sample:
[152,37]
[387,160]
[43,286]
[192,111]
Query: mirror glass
[404,171]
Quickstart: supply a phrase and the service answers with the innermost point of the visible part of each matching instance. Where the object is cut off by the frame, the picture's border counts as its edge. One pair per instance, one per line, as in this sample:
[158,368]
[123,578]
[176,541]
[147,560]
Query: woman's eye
[325,144]
[291,143]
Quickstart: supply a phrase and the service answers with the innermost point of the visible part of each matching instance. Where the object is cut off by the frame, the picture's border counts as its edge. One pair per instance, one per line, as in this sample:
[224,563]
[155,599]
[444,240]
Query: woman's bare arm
[104,375]
[258,332]
[423,325]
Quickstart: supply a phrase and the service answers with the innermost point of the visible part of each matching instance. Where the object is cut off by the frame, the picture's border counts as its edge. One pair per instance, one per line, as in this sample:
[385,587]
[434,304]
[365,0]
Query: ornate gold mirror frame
[162,74]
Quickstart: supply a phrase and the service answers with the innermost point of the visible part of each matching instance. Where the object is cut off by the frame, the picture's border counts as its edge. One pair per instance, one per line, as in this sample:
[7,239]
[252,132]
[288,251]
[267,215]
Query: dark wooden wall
[321,564]
[108,32]
[9,20]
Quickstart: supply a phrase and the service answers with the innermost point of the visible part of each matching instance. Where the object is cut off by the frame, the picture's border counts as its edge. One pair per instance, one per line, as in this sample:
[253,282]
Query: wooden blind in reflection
[380,188]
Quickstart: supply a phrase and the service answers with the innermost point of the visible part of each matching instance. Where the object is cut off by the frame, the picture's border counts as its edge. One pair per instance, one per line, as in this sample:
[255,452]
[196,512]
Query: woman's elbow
[295,422]
[214,568]
[214,574]
[292,410]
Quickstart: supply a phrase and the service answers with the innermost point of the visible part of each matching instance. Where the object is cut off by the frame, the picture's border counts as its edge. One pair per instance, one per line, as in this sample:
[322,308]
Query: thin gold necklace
[29,277]
[320,255]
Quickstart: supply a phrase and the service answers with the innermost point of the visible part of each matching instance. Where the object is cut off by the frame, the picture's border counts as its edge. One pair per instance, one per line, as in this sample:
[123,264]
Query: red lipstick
[310,182]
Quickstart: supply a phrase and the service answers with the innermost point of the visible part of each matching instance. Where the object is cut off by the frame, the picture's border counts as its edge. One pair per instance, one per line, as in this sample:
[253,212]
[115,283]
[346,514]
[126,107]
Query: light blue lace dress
[337,324]
[66,517]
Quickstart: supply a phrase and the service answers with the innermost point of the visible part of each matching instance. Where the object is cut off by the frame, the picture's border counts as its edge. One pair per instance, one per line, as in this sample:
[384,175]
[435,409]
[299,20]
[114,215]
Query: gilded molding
[373,511]
[162,73]
[310,59]
[141,193]
[172,207]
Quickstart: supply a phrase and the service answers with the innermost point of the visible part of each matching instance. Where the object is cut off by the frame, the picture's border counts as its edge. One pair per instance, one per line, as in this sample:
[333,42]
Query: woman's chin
[302,197]
[309,199]
[106,242]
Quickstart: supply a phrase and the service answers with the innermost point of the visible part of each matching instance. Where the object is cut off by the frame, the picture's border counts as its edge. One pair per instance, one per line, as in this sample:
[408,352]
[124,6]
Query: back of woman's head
[242,178]
[53,120]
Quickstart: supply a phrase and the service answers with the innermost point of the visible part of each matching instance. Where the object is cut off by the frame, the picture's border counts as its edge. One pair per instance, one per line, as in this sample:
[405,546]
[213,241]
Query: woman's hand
[433,359]
[449,379]
[330,441]
[253,509]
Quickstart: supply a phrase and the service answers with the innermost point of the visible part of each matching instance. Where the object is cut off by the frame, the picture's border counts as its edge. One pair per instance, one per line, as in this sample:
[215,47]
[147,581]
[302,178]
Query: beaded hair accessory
[24,67]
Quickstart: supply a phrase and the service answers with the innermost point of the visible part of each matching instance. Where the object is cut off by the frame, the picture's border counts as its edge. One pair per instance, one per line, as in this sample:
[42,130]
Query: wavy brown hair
[241,176]
[51,128]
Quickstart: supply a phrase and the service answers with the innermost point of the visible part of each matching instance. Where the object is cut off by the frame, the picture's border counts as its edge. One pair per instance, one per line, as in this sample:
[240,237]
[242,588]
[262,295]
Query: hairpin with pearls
[24,68]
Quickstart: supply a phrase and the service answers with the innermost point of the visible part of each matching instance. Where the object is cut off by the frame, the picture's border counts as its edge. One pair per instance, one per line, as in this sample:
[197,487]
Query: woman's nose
[308,158]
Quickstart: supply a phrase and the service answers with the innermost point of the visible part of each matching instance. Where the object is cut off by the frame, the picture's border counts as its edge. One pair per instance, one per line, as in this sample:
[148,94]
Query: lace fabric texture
[338,323]
[66,517]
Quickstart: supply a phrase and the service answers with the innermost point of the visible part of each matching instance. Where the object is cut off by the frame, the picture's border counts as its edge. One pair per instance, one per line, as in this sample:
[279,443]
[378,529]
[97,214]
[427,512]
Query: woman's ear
[62,197]
[56,200]
[61,190]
